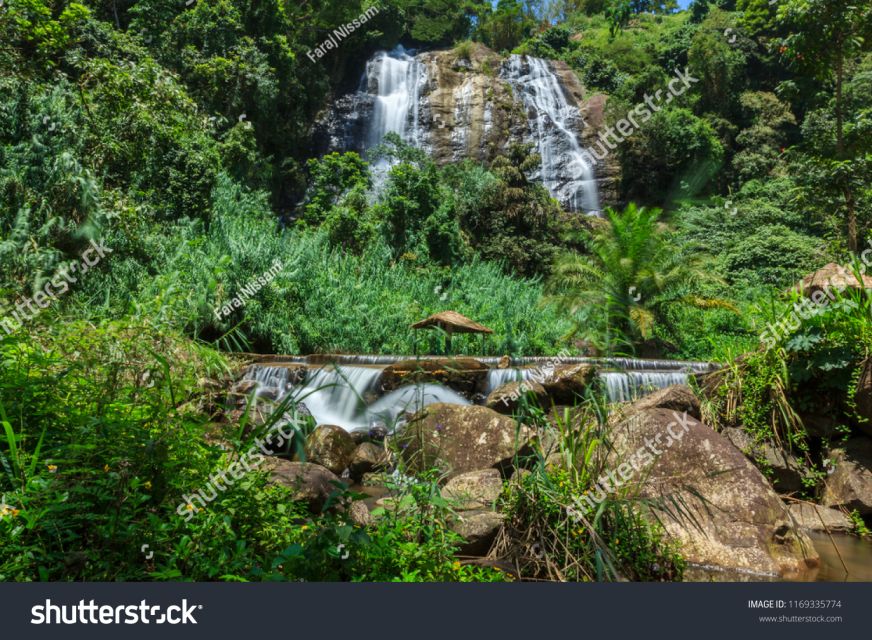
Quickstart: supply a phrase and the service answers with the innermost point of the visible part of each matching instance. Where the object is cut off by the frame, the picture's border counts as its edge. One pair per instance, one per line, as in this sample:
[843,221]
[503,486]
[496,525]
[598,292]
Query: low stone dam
[362,391]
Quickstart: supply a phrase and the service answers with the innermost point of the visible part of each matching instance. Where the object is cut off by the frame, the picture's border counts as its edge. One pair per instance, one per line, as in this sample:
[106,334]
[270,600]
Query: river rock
[310,483]
[331,447]
[478,529]
[359,514]
[729,517]
[460,438]
[678,397]
[784,469]
[474,489]
[849,486]
[864,397]
[464,375]
[568,381]
[815,517]
[367,458]
[506,398]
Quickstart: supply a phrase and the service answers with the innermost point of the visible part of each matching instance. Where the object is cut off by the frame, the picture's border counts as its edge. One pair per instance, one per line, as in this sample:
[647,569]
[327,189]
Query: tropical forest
[435,290]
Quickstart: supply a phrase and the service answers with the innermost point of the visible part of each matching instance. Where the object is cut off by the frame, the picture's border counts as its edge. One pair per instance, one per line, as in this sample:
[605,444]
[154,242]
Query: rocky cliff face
[475,105]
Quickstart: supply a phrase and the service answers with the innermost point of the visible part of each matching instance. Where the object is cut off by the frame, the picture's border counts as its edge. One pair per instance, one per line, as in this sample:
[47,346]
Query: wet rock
[566,383]
[367,458]
[464,375]
[474,489]
[814,517]
[678,397]
[506,398]
[849,486]
[359,514]
[460,438]
[783,468]
[374,479]
[730,517]
[310,483]
[331,447]
[478,529]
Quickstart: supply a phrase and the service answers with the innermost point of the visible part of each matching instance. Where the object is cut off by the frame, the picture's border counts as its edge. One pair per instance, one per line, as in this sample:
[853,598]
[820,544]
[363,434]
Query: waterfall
[348,396]
[565,171]
[351,396]
[409,399]
[498,377]
[624,386]
[338,395]
[395,79]
[266,377]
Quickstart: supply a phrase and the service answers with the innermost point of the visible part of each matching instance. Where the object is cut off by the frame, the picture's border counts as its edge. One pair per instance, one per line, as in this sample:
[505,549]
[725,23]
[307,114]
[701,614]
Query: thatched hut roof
[452,322]
[831,276]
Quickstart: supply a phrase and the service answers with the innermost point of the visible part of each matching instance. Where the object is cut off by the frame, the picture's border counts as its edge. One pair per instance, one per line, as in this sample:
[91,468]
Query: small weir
[346,390]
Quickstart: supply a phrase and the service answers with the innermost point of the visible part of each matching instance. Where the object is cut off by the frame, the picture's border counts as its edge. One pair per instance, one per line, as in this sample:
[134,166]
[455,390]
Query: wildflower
[106,468]
[456,565]
[6,510]
[52,468]
[305,527]
[147,485]
[189,507]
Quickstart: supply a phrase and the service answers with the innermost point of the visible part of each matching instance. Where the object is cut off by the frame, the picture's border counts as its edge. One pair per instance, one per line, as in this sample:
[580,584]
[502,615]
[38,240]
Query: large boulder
[460,438]
[814,517]
[784,468]
[506,398]
[849,486]
[331,447]
[716,504]
[310,483]
[678,397]
[467,376]
[474,490]
[478,529]
[367,458]
[864,397]
[567,382]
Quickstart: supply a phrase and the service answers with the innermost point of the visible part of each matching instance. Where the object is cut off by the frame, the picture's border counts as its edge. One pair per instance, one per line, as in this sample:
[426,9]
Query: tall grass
[326,300]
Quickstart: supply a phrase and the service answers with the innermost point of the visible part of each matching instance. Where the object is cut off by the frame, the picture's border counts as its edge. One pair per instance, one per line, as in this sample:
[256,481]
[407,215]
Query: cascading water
[621,386]
[395,79]
[350,396]
[565,171]
[277,378]
[347,396]
[498,377]
[624,386]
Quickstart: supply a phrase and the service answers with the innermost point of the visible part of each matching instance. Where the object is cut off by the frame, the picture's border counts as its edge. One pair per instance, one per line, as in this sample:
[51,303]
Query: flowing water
[565,171]
[349,396]
[347,391]
[394,97]
[395,79]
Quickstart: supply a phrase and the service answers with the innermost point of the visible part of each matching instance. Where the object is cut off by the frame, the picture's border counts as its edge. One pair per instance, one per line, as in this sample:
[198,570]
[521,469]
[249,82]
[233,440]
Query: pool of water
[844,558]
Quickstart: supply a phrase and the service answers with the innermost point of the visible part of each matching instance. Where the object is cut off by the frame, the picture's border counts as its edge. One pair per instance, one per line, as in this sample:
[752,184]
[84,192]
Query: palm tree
[620,291]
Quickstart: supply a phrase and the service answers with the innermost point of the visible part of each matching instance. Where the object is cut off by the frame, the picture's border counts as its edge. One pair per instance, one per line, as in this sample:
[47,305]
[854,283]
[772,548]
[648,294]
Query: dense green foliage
[180,136]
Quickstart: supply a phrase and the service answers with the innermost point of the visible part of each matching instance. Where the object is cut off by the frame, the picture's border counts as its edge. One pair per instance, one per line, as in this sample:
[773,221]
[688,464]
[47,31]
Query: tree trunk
[840,141]
[852,218]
